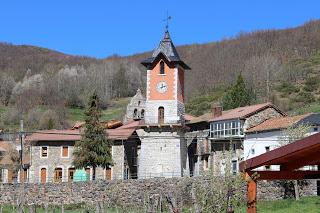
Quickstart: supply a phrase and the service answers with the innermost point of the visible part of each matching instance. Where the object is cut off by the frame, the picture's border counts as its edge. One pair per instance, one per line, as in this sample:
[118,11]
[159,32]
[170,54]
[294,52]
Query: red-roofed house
[52,154]
[269,134]
[214,133]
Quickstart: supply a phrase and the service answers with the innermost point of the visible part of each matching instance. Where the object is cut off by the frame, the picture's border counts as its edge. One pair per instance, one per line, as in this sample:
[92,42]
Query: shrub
[311,84]
[287,88]
[49,120]
[305,97]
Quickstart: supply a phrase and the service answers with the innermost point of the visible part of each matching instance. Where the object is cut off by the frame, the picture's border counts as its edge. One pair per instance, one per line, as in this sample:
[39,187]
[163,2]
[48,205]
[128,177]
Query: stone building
[215,134]
[10,170]
[51,154]
[136,107]
[163,150]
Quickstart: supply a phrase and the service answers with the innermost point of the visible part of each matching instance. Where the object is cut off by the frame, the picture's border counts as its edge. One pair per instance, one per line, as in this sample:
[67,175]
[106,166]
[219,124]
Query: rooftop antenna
[167,19]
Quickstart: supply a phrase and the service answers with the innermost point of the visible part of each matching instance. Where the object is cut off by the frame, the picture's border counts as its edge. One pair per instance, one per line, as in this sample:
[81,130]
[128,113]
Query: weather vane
[167,19]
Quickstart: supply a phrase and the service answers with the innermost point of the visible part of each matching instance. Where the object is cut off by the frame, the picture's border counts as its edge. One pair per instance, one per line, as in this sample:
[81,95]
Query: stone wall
[261,116]
[163,153]
[122,193]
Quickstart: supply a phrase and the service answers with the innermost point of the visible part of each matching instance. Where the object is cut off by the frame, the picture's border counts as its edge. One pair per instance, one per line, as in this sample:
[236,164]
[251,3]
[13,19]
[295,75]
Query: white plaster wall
[259,142]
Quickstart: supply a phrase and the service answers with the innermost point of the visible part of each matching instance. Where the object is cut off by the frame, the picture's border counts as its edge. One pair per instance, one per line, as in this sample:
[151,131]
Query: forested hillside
[279,65]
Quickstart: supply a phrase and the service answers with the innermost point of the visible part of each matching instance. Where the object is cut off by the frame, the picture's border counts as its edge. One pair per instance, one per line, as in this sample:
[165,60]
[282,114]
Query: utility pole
[21,133]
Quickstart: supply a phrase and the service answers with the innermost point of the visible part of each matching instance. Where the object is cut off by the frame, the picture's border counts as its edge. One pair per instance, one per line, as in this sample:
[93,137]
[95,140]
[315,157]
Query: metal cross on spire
[167,19]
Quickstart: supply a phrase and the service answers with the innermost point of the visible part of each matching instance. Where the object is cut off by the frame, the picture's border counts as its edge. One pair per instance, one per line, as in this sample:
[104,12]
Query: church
[163,150]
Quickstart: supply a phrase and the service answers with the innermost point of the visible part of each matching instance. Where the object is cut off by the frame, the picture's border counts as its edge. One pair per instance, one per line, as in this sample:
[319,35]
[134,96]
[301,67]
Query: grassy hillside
[116,110]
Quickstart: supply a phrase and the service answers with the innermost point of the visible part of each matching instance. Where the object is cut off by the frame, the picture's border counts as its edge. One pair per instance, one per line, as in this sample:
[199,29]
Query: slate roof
[168,50]
[285,122]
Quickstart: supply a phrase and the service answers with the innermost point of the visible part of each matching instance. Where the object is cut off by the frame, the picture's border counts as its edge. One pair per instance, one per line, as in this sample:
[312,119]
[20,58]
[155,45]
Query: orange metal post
[251,195]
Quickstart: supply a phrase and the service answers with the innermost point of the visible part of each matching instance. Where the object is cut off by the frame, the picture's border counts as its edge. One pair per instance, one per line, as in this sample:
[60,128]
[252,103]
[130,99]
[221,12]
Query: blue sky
[100,28]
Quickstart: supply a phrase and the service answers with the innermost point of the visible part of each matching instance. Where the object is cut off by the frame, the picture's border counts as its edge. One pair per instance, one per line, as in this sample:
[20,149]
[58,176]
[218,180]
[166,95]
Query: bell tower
[163,151]
[165,84]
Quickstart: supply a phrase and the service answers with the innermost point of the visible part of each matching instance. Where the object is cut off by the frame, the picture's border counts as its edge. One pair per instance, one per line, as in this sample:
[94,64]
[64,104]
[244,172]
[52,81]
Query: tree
[238,95]
[94,148]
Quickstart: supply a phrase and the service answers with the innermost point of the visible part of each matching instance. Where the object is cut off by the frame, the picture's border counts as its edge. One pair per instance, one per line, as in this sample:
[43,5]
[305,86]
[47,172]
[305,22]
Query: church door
[161,115]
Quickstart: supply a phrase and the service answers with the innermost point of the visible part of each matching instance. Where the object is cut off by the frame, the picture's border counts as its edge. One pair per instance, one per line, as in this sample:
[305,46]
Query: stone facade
[55,160]
[261,116]
[199,152]
[136,107]
[163,153]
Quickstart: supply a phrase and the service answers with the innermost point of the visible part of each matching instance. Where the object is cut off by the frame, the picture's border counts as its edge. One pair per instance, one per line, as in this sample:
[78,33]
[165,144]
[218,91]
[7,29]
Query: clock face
[162,87]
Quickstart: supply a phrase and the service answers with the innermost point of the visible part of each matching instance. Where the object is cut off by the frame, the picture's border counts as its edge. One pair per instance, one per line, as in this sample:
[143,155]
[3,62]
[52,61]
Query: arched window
[142,113]
[160,115]
[57,175]
[161,68]
[135,111]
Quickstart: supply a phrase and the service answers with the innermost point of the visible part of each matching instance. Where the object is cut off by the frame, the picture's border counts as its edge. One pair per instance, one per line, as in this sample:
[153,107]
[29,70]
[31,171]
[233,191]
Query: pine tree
[238,95]
[94,148]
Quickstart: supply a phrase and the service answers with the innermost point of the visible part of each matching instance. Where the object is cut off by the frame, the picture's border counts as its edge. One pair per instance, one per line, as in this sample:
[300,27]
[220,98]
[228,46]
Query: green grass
[314,107]
[305,205]
[115,110]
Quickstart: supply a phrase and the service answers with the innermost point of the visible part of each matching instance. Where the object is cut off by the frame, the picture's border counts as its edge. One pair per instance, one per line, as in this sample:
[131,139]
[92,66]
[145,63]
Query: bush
[287,88]
[311,84]
[49,120]
[304,97]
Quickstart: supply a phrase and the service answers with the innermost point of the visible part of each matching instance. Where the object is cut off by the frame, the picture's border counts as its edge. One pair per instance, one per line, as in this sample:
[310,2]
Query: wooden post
[251,195]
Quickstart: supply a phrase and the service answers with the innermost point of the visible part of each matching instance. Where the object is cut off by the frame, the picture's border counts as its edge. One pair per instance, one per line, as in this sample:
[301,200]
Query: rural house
[52,154]
[271,134]
[225,131]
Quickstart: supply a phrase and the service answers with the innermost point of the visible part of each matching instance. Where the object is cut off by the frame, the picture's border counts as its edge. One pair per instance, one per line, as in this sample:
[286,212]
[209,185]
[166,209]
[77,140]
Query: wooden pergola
[291,158]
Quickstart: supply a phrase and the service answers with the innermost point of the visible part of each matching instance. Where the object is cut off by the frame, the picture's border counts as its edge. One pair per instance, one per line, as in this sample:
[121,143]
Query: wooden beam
[311,159]
[286,175]
[251,194]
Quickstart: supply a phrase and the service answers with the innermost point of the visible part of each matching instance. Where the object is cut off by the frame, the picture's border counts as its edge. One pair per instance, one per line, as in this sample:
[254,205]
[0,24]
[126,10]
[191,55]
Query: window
[65,151]
[135,111]
[267,148]
[315,129]
[252,151]
[160,115]
[226,129]
[142,113]
[58,175]
[162,68]
[267,167]
[70,174]
[234,167]
[44,151]
[234,147]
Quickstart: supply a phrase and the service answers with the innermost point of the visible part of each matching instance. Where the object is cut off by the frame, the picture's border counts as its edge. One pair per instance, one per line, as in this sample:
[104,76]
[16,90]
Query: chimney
[216,110]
